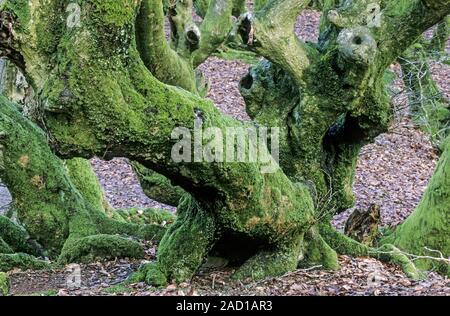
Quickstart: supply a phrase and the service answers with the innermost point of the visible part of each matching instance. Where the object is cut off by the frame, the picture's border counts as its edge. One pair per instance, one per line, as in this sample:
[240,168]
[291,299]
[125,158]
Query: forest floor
[392,172]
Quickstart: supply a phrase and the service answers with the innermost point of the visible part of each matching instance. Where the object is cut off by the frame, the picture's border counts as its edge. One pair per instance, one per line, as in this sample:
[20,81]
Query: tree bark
[100,98]
[48,205]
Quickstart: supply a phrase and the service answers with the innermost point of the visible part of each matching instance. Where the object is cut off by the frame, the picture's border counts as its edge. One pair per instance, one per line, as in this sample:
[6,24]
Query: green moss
[135,277]
[185,245]
[146,216]
[341,243]
[271,262]
[233,54]
[153,275]
[117,289]
[100,99]
[97,247]
[22,261]
[21,9]
[43,293]
[426,230]
[13,235]
[391,254]
[318,252]
[36,180]
[157,187]
[4,284]
[86,182]
[113,13]
[5,248]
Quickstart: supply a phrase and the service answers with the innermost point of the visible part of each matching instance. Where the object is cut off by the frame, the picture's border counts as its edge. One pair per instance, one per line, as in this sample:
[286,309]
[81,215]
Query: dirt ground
[392,172]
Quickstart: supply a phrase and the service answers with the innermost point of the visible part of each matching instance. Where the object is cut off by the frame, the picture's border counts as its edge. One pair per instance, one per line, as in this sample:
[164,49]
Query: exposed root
[156,186]
[5,248]
[391,254]
[14,238]
[150,232]
[318,252]
[342,244]
[144,216]
[184,246]
[276,262]
[99,246]
[22,261]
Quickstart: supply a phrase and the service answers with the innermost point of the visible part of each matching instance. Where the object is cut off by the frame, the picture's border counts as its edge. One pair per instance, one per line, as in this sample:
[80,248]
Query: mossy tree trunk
[67,225]
[99,86]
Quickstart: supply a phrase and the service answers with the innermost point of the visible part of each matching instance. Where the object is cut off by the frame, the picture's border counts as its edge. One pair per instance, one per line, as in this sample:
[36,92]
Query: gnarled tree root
[184,246]
[318,252]
[344,245]
[156,186]
[14,238]
[391,254]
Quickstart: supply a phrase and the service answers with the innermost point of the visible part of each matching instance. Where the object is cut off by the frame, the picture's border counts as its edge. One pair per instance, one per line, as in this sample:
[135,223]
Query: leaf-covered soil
[392,172]
[357,276]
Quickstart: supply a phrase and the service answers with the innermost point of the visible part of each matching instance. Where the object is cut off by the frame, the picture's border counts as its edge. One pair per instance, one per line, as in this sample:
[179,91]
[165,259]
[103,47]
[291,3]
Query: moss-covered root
[14,238]
[156,186]
[318,252]
[271,263]
[391,254]
[4,247]
[22,261]
[184,246]
[85,181]
[4,284]
[94,247]
[341,243]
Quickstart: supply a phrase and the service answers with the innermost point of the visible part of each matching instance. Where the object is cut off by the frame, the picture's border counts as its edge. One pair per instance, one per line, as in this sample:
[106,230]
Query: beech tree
[108,83]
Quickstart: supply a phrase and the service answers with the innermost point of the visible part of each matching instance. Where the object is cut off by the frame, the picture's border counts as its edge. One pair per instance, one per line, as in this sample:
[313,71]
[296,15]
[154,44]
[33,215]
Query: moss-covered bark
[174,62]
[100,98]
[85,181]
[50,207]
[158,187]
